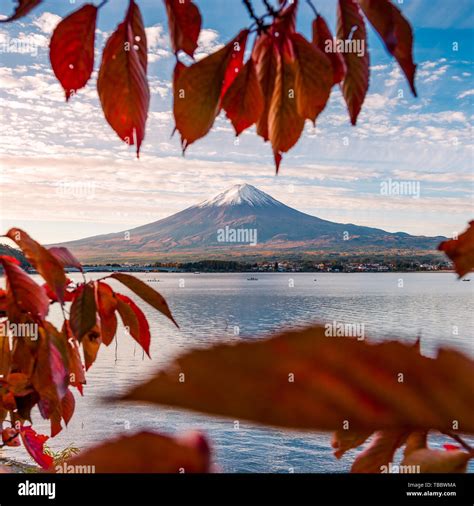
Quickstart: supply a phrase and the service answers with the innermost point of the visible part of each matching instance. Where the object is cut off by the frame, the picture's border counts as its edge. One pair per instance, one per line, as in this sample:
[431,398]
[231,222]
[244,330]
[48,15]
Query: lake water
[209,308]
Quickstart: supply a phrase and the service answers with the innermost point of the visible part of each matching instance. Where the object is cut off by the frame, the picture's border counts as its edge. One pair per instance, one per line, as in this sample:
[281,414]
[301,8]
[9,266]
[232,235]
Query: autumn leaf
[90,345]
[23,355]
[236,62]
[18,383]
[351,26]
[306,380]
[34,443]
[184,21]
[285,125]
[106,307]
[321,37]
[147,452]
[65,257]
[197,91]
[122,83]
[395,32]
[265,56]
[461,251]
[379,452]
[267,52]
[23,294]
[71,49]
[42,260]
[244,100]
[313,80]
[145,292]
[134,321]
[83,311]
[427,460]
[50,376]
[22,9]
[76,369]
[285,23]
[5,354]
[68,405]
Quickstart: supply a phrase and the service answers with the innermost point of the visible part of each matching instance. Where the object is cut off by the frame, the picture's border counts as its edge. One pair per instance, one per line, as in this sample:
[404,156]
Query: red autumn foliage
[40,369]
[286,80]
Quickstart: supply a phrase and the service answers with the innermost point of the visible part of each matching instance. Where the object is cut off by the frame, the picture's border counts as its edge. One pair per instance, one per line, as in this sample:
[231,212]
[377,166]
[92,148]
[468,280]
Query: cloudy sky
[65,174]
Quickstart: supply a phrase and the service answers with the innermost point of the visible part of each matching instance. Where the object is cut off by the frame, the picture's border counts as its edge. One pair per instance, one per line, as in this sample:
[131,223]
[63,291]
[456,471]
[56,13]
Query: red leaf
[67,406]
[146,293]
[122,83]
[244,100]
[71,49]
[106,306]
[90,344]
[76,369]
[396,34]
[42,260]
[23,294]
[5,354]
[197,92]
[235,64]
[68,296]
[65,257]
[8,401]
[184,21]
[22,9]
[265,58]
[50,375]
[83,311]
[350,25]
[321,35]
[284,122]
[268,49]
[314,78]
[135,321]
[285,23]
[34,443]
[55,420]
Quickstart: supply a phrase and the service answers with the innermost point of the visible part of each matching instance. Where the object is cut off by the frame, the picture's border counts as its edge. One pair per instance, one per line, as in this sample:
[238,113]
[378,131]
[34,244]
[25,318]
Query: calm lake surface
[209,306]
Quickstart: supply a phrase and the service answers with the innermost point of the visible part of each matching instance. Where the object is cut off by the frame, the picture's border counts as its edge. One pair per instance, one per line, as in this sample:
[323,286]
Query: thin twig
[313,8]
[252,14]
[270,8]
[102,3]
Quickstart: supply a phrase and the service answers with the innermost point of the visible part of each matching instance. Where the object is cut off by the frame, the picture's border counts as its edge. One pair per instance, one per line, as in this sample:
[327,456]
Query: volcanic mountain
[248,223]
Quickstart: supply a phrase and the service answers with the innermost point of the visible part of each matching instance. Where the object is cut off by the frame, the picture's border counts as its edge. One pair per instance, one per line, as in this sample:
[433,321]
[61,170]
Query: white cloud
[47,22]
[158,43]
[464,94]
[207,43]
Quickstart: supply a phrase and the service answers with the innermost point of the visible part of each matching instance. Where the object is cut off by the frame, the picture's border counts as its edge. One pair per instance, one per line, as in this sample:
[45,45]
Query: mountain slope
[205,231]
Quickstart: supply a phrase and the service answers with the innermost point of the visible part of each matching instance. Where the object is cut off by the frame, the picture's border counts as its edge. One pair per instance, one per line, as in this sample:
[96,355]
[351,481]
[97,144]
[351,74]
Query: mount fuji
[244,222]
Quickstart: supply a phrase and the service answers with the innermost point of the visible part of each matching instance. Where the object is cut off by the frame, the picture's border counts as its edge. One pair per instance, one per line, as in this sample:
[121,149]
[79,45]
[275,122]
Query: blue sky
[65,175]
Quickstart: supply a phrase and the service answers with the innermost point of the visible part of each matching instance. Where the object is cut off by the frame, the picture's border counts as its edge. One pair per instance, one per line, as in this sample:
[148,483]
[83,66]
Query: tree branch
[270,8]
[313,8]
[251,12]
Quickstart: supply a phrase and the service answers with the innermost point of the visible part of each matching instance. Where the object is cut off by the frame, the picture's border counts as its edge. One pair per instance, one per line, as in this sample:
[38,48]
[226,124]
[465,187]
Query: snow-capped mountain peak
[241,194]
